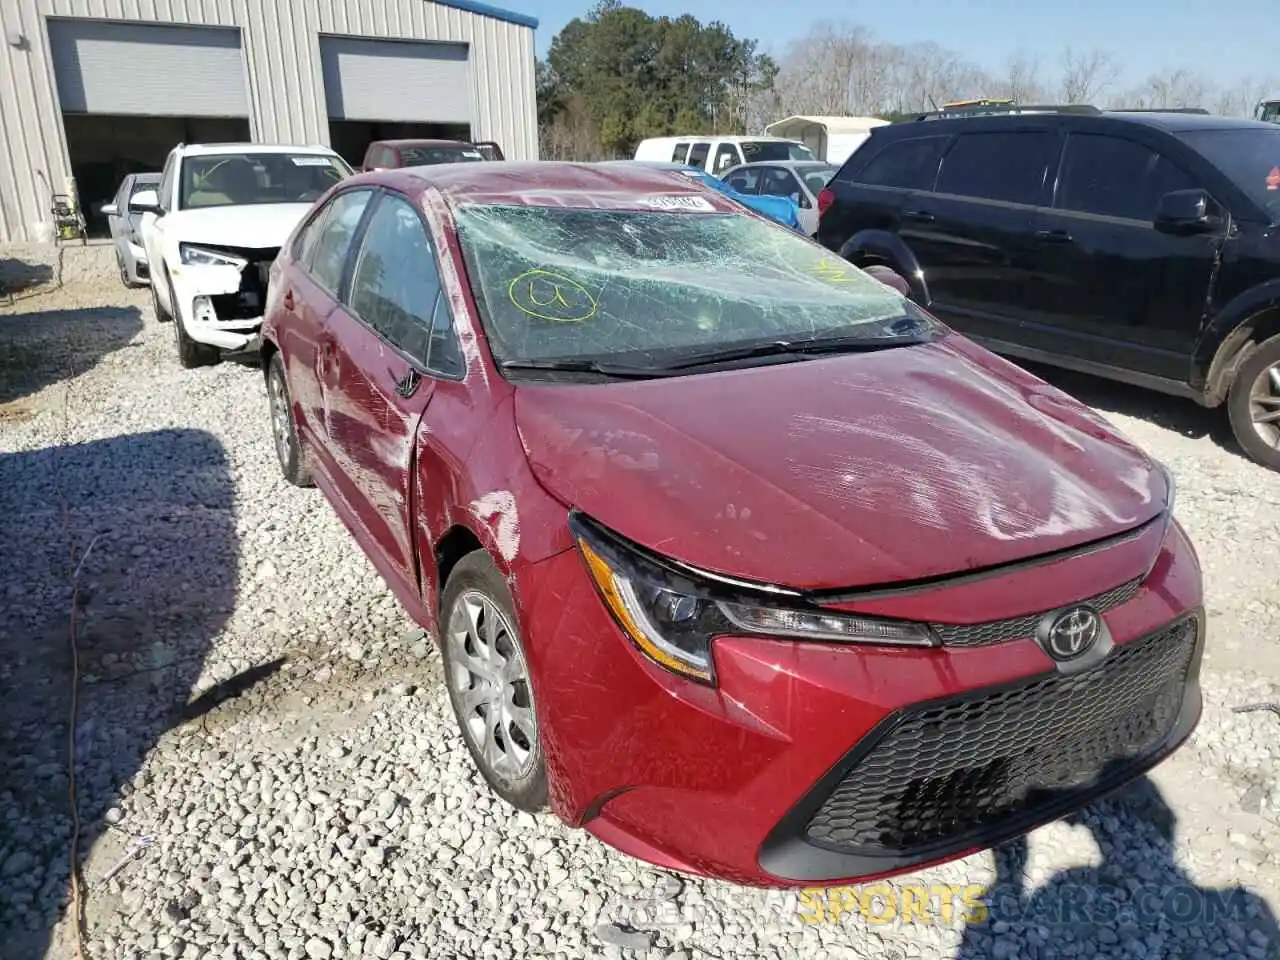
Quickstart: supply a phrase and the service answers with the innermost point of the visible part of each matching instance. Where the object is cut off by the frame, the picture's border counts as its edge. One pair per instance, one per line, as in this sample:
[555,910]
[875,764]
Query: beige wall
[280,40]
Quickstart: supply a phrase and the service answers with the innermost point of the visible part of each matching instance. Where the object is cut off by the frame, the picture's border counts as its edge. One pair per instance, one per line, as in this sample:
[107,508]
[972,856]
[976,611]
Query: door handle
[923,216]
[288,299]
[1053,236]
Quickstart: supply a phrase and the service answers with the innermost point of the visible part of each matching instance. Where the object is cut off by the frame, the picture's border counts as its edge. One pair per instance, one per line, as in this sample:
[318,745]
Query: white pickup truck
[212,230]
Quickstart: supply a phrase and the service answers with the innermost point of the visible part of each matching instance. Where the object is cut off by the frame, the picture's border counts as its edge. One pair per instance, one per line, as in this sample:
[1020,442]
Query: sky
[1227,42]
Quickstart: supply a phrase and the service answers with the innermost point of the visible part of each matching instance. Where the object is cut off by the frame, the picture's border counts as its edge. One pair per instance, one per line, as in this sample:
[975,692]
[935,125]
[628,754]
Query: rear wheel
[292,455]
[489,684]
[1253,404]
[124,271]
[191,353]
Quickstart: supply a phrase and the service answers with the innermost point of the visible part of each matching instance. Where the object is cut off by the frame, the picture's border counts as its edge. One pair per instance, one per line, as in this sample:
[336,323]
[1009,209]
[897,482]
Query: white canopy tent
[830,138]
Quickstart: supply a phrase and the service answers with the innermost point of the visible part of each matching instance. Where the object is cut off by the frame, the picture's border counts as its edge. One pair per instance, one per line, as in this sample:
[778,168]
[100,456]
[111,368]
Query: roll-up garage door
[148,69]
[396,80]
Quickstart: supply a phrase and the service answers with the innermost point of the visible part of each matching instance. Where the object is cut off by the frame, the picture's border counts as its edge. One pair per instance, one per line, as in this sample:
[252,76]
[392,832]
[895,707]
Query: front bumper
[740,781]
[212,307]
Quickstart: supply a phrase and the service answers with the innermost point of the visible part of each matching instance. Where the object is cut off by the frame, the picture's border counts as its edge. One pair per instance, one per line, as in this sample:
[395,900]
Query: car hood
[855,470]
[251,225]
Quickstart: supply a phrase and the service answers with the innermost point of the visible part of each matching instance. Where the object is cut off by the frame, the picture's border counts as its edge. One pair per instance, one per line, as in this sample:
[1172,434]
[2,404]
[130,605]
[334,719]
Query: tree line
[618,75]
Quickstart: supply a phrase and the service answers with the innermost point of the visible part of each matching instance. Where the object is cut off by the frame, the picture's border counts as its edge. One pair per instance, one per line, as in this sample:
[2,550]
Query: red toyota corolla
[735,557]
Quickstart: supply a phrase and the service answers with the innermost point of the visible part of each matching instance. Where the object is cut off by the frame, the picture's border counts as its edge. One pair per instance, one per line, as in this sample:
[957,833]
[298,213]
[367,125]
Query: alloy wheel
[1264,405]
[280,426]
[490,679]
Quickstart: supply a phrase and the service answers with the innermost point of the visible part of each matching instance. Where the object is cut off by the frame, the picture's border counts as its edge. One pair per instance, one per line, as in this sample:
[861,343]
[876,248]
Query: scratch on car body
[502,504]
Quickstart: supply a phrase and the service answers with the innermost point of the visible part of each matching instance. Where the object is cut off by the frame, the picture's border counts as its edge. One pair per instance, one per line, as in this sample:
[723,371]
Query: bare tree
[1175,90]
[1086,76]
[1021,80]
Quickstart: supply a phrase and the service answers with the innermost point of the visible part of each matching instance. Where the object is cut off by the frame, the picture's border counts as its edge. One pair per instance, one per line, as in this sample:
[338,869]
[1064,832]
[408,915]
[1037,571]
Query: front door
[377,384]
[1112,289]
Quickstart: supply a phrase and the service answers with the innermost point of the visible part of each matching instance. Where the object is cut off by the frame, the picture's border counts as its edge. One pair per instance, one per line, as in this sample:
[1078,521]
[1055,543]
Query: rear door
[973,233]
[381,377]
[1112,289]
[313,287]
[871,191]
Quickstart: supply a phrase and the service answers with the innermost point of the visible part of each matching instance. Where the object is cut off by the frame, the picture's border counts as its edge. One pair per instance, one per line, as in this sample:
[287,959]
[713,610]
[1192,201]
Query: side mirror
[145,201]
[1188,211]
[110,210]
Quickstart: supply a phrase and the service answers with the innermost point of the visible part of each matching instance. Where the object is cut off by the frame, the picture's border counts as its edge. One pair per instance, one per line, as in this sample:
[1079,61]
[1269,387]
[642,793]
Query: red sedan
[735,557]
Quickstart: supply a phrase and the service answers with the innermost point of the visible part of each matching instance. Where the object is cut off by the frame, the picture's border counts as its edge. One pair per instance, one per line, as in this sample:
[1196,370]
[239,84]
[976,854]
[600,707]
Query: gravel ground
[253,699]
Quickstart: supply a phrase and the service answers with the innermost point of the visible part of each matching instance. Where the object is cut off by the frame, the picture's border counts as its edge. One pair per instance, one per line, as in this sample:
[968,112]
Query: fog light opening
[202,310]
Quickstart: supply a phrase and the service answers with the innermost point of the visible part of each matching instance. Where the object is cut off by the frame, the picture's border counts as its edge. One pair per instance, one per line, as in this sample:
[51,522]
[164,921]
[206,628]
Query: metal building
[96,89]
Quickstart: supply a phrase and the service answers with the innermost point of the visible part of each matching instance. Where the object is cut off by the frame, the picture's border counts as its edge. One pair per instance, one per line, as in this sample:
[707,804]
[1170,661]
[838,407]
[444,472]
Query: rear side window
[908,164]
[1115,177]
[679,153]
[328,257]
[1007,166]
[698,155]
[745,180]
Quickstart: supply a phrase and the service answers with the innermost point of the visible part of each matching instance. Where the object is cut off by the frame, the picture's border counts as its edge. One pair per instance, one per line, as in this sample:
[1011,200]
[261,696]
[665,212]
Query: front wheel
[489,684]
[1253,404]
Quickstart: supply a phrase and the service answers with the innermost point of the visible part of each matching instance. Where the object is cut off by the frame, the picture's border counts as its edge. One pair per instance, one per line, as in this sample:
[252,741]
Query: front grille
[998,631]
[947,771]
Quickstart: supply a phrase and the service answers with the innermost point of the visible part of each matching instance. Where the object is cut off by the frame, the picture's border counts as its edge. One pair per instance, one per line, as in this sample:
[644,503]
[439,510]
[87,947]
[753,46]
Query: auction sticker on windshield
[310,161]
[677,203]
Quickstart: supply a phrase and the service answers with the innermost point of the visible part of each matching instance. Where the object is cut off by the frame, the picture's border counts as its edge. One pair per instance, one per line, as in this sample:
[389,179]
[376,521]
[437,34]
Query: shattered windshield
[649,287]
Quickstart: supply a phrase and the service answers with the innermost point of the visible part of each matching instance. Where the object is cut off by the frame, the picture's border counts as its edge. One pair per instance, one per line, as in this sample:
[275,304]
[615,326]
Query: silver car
[131,258]
[801,180]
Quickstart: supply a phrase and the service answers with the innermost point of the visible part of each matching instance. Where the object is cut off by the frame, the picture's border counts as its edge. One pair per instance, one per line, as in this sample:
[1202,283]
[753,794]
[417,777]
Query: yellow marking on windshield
[547,295]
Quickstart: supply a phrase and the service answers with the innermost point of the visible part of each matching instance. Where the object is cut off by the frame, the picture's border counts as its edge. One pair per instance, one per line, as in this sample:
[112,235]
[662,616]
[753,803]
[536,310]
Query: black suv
[1139,246]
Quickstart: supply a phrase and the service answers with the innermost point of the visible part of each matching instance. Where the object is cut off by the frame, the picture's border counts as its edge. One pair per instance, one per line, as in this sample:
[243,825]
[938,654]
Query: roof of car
[549,183]
[218,148]
[786,163]
[1184,122]
[420,142]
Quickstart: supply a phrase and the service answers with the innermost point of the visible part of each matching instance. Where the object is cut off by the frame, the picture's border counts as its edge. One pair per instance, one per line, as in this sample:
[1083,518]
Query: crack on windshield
[566,282]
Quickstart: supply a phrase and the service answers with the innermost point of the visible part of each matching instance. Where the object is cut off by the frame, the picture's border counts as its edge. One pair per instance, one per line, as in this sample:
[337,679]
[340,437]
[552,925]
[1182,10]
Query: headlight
[204,257]
[671,614]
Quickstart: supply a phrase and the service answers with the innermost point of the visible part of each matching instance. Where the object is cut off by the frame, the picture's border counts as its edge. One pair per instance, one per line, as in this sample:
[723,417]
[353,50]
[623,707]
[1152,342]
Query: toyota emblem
[1072,633]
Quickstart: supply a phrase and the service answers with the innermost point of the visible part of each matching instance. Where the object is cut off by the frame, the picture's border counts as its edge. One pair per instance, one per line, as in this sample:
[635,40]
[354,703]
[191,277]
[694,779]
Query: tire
[889,277]
[191,354]
[295,462]
[1255,392]
[511,762]
[124,272]
[162,315]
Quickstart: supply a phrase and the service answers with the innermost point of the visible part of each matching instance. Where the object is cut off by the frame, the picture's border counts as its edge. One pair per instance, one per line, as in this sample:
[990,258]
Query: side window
[390,159]
[746,180]
[166,182]
[396,284]
[906,164]
[698,155]
[1007,165]
[778,182]
[304,243]
[445,354]
[726,156]
[679,153]
[1115,177]
[327,258]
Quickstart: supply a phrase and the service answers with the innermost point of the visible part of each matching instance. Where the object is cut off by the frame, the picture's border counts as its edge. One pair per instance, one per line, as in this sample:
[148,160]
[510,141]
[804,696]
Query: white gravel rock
[328,810]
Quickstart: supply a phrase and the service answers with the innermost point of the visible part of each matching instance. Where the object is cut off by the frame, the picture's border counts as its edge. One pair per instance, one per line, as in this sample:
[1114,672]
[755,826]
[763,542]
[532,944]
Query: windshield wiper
[568,365]
[781,347]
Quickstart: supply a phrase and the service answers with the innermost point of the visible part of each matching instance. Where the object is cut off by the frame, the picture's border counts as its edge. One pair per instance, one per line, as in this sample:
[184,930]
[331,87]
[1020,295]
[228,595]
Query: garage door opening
[350,138]
[432,84]
[104,149]
[123,106]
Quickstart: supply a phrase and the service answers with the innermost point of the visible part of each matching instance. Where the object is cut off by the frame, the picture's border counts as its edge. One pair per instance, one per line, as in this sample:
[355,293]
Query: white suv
[214,227]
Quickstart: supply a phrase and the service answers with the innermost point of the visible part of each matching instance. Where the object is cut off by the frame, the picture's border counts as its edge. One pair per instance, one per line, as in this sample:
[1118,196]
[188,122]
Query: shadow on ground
[1185,417]
[42,347]
[1137,903]
[149,522]
[18,276]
